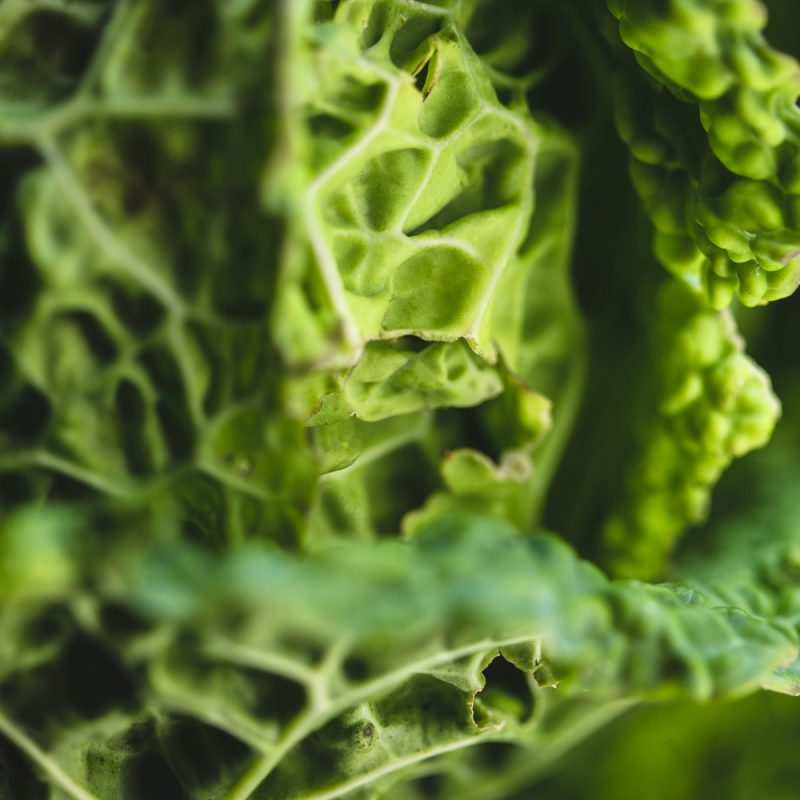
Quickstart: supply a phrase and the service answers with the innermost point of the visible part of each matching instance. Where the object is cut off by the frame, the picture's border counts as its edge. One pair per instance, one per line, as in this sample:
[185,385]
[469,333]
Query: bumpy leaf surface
[293,373]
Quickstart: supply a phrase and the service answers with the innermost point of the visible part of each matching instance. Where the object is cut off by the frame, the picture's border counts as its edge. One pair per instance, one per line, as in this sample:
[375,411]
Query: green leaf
[725,221]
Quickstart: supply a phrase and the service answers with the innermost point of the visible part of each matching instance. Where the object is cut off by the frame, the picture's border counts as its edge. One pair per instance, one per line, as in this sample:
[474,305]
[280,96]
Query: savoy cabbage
[363,365]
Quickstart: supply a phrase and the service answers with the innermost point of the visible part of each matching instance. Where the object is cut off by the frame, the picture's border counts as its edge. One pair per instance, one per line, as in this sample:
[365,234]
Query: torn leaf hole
[421,78]
[507,694]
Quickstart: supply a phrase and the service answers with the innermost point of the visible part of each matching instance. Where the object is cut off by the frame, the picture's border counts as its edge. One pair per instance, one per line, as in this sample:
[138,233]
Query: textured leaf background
[378,386]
